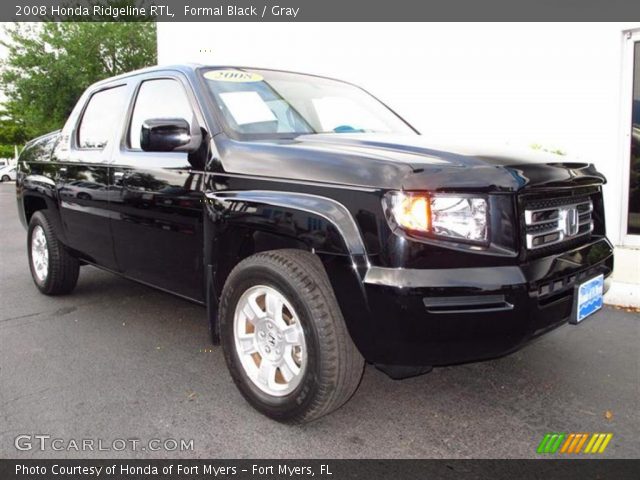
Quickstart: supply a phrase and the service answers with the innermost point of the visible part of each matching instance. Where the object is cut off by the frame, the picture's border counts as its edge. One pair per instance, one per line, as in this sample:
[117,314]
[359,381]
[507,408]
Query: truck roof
[186,68]
[189,69]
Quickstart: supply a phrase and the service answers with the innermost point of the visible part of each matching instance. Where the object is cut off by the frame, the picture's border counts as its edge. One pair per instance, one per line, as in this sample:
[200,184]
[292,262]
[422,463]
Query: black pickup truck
[319,229]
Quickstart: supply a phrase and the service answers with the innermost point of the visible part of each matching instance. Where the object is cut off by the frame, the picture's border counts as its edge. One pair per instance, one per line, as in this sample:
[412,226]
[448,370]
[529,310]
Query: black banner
[319,469]
[316,10]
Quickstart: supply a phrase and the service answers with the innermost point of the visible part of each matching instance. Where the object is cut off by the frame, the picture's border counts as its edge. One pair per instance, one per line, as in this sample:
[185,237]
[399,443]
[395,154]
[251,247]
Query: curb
[623,295]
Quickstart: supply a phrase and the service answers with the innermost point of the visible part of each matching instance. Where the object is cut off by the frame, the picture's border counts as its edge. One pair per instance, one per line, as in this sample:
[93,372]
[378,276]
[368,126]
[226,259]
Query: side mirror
[169,135]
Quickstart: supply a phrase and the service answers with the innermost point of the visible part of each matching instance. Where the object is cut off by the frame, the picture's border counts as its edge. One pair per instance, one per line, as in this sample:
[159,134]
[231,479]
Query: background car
[7,173]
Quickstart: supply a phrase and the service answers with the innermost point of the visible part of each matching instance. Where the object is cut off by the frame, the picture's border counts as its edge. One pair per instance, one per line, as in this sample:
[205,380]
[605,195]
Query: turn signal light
[412,212]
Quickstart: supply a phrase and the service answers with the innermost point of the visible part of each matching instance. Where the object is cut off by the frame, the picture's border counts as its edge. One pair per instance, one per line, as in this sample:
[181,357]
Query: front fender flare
[229,211]
[327,208]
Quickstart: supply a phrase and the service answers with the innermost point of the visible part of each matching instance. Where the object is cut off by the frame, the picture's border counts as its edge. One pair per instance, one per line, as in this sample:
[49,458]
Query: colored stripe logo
[574,443]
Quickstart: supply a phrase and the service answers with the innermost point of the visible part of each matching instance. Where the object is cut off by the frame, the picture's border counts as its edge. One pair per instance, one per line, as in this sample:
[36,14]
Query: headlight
[448,216]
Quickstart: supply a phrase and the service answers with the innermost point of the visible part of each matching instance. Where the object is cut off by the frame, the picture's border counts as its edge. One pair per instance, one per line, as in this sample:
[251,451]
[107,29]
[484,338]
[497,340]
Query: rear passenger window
[101,118]
[162,98]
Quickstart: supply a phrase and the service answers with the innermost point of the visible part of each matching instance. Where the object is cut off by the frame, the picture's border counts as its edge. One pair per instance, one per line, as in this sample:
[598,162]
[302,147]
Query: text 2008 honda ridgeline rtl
[319,229]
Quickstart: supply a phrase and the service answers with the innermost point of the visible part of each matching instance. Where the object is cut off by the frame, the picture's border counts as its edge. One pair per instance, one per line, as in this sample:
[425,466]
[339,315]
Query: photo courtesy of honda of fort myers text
[250,240]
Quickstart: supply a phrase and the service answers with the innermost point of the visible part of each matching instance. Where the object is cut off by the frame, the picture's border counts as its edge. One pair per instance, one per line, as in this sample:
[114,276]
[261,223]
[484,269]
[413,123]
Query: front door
[158,217]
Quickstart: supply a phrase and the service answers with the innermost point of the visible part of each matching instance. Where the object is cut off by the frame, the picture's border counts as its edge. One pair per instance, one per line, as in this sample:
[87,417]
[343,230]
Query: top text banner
[319,10]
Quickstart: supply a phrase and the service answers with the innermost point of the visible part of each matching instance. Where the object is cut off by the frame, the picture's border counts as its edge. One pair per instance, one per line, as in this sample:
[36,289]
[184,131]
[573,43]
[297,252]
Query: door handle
[61,175]
[118,178]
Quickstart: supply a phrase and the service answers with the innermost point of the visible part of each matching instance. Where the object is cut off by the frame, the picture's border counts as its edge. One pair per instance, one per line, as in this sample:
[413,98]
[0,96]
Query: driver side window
[161,98]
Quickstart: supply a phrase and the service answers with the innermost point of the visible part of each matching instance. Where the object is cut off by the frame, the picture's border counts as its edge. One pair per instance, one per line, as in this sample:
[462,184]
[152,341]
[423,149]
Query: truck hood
[407,162]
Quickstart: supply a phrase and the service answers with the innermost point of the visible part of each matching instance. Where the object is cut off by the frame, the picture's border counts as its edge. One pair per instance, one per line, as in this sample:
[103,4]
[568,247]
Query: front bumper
[447,316]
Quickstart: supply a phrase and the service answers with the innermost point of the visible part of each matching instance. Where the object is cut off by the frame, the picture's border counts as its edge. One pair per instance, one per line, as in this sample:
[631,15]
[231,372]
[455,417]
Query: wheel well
[245,247]
[32,204]
[249,244]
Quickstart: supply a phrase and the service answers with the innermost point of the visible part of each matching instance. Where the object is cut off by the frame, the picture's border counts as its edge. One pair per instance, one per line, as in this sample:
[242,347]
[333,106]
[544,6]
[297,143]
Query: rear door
[158,218]
[83,175]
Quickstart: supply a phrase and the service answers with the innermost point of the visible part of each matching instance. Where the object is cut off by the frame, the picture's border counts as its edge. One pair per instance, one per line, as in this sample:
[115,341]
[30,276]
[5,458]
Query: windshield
[277,104]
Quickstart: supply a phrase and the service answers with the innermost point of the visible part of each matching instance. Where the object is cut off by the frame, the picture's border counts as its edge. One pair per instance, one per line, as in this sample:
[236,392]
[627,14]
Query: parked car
[319,229]
[7,173]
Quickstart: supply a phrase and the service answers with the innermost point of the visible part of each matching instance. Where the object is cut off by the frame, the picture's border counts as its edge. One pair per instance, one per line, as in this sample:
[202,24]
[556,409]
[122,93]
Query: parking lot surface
[117,360]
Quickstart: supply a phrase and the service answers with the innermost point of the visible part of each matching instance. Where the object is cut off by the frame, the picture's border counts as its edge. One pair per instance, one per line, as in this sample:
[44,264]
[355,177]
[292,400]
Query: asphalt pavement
[119,361]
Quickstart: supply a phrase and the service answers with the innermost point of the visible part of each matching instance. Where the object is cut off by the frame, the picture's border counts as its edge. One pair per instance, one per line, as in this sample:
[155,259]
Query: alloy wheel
[269,340]
[39,253]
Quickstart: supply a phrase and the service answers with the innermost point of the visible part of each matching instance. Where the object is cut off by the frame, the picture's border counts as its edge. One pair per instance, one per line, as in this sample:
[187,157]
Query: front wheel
[284,338]
[54,270]
[5,178]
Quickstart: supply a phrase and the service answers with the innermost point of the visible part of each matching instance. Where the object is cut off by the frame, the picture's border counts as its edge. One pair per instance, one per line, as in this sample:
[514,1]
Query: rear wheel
[53,269]
[6,178]
[284,338]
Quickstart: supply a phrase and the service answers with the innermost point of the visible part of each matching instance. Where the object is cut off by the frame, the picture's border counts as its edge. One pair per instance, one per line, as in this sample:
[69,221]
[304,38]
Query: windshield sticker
[233,76]
[247,107]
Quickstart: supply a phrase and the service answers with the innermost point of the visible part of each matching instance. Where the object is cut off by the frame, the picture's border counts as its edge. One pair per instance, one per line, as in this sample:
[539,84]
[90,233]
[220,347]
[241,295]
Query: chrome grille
[550,222]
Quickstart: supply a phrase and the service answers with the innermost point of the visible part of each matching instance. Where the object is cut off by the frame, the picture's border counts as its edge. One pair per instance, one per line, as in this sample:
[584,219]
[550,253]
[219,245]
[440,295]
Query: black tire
[334,365]
[62,272]
[6,178]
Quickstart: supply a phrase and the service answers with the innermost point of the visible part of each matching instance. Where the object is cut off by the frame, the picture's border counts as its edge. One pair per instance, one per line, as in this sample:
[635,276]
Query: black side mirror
[169,135]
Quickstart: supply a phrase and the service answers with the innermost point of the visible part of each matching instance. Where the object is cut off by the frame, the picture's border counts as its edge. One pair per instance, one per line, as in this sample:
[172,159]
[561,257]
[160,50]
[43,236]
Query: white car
[7,173]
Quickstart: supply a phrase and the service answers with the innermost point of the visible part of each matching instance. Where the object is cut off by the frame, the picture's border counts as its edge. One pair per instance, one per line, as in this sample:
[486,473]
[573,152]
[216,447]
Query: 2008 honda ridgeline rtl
[319,228]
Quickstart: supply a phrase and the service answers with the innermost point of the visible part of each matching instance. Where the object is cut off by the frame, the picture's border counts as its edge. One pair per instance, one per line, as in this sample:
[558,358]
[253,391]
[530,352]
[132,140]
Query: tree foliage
[49,65]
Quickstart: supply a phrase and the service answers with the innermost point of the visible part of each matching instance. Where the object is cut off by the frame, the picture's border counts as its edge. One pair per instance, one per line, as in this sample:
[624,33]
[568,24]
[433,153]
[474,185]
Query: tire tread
[64,268]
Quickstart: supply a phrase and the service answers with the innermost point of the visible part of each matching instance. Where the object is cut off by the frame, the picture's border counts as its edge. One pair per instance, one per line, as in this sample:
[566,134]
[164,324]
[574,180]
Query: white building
[557,86]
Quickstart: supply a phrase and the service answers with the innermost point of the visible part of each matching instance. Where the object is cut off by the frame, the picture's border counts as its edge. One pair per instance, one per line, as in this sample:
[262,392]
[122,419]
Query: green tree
[11,134]
[49,65]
